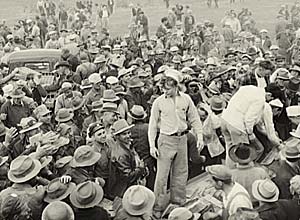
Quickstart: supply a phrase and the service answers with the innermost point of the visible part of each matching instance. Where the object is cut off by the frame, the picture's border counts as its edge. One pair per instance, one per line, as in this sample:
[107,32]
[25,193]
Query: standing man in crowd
[174,110]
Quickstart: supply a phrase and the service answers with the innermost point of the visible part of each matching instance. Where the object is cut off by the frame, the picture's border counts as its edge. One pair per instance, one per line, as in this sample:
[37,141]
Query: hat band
[57,193]
[292,154]
[137,116]
[262,195]
[109,110]
[25,172]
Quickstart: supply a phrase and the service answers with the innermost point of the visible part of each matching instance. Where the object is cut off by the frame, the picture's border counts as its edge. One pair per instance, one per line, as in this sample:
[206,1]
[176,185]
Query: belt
[178,134]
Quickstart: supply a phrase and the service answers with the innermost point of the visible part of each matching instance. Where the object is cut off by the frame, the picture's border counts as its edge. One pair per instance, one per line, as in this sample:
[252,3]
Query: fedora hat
[17,93]
[84,156]
[119,90]
[110,107]
[62,63]
[23,168]
[283,74]
[41,110]
[77,102]
[28,124]
[109,95]
[295,68]
[137,112]
[100,59]
[292,86]
[86,195]
[96,106]
[135,82]
[138,200]
[94,128]
[276,103]
[64,115]
[58,191]
[182,213]
[45,160]
[217,103]
[291,150]
[242,153]
[265,190]
[213,88]
[60,163]
[94,78]
[120,126]
[58,210]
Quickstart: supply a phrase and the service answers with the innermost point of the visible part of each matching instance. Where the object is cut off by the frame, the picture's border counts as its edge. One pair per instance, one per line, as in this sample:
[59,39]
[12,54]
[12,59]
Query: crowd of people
[135,116]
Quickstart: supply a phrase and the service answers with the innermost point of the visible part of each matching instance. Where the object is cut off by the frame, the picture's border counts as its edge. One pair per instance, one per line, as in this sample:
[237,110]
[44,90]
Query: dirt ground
[264,11]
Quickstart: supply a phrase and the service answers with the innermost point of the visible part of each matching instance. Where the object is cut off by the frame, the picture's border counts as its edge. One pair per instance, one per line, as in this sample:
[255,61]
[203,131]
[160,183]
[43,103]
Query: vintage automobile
[39,60]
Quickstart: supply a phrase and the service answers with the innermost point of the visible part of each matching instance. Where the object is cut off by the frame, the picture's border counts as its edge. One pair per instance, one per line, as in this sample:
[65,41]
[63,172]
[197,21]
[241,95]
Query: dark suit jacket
[272,211]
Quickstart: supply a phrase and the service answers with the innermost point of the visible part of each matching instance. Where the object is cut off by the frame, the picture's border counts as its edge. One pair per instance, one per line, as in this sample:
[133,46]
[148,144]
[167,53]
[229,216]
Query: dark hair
[93,128]
[168,81]
[164,19]
[266,64]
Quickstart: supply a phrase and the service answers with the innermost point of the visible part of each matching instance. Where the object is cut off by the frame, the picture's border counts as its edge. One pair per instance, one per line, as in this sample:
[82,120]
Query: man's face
[169,90]
[100,136]
[4,71]
[124,137]
[97,86]
[295,119]
[280,82]
[68,93]
[46,119]
[294,74]
[110,117]
[211,68]
[113,85]
[17,101]
[276,111]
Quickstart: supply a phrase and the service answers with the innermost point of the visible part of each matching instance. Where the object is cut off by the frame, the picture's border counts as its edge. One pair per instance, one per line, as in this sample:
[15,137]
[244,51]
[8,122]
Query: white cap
[276,103]
[7,89]
[174,74]
[263,31]
[66,85]
[293,111]
[112,80]
[274,47]
[174,49]
[94,78]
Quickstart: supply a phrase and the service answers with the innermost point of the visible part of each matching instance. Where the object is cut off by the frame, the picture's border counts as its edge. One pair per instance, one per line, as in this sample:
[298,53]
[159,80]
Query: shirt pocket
[181,112]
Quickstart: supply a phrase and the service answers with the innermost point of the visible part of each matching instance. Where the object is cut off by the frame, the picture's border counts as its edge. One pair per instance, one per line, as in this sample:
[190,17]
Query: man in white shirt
[235,195]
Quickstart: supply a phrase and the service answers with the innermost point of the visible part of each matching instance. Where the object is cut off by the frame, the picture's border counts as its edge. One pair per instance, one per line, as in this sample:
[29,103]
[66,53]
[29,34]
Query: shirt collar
[12,102]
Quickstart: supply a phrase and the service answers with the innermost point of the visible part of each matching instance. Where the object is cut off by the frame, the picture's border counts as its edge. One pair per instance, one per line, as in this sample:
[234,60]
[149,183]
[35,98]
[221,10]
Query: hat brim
[141,84]
[122,130]
[135,118]
[111,100]
[96,157]
[71,187]
[258,196]
[145,209]
[29,176]
[98,198]
[35,126]
[293,69]
[234,157]
[219,109]
[79,106]
[17,96]
[46,161]
[295,134]
[4,160]
[65,119]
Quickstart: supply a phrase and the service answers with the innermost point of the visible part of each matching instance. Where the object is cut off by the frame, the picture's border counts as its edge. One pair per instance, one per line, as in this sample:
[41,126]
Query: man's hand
[3,116]
[200,145]
[154,152]
[209,215]
[100,181]
[65,179]
[10,135]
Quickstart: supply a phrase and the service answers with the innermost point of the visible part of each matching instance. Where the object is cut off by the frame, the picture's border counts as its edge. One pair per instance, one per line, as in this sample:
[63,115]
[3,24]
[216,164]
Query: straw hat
[182,213]
[100,59]
[120,126]
[110,107]
[276,103]
[3,160]
[138,200]
[17,94]
[64,115]
[58,211]
[293,111]
[265,190]
[135,82]
[58,191]
[96,106]
[23,168]
[217,103]
[85,156]
[137,112]
[86,195]
[291,150]
[94,78]
[78,102]
[41,110]
[109,95]
[60,163]
[29,124]
[242,153]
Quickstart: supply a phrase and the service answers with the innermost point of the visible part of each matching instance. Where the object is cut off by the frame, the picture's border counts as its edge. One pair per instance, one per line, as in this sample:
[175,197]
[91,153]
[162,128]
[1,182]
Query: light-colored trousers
[172,159]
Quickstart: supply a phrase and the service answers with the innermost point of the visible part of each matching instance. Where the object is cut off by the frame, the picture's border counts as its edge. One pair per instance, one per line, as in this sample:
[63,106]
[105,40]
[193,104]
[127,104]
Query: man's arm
[153,124]
[254,111]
